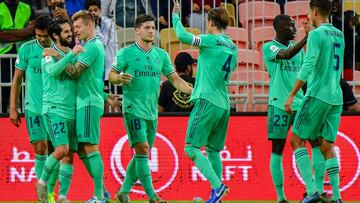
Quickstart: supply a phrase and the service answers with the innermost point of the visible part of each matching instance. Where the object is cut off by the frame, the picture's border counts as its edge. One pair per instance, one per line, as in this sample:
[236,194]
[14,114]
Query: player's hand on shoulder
[50,52]
[77,49]
[307,26]
[15,117]
[125,78]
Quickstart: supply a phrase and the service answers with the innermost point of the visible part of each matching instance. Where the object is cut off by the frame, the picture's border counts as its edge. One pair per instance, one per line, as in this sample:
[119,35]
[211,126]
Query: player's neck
[144,45]
[322,21]
[91,35]
[65,49]
[282,40]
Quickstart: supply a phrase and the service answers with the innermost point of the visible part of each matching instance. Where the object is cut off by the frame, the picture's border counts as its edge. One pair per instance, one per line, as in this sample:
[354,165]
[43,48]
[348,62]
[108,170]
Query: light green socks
[303,163]
[277,174]
[66,172]
[50,166]
[130,177]
[96,171]
[332,168]
[215,161]
[142,169]
[39,164]
[203,164]
[318,163]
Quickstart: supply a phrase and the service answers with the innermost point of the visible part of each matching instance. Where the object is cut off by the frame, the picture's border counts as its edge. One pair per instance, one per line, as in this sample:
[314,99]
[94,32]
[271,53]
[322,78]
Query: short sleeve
[167,67]
[89,55]
[270,51]
[203,40]
[119,62]
[21,60]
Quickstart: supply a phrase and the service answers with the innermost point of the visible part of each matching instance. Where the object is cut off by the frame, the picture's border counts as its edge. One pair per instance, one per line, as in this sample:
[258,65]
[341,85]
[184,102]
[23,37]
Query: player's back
[217,60]
[328,52]
[90,83]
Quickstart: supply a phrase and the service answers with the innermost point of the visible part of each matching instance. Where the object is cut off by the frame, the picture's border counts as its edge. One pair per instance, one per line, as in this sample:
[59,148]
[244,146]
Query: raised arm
[180,31]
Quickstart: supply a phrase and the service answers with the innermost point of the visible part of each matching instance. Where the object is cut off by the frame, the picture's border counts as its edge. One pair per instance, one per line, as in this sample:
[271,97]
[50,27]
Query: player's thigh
[200,124]
[310,118]
[278,123]
[217,137]
[136,129]
[57,128]
[151,128]
[88,124]
[35,126]
[331,124]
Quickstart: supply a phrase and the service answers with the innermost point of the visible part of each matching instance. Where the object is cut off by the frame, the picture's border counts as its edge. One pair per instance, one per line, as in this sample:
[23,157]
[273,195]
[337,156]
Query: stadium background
[247,153]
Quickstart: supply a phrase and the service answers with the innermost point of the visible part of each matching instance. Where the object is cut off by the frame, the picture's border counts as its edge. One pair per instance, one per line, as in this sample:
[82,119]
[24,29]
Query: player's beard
[64,42]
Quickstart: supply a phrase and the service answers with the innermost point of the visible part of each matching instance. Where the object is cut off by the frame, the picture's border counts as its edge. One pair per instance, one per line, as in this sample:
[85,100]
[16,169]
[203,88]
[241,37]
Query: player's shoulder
[29,44]
[128,49]
[271,46]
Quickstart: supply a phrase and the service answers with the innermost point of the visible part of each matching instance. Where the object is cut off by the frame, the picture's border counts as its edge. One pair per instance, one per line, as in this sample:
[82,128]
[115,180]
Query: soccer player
[28,63]
[283,60]
[320,111]
[208,121]
[139,67]
[89,70]
[59,97]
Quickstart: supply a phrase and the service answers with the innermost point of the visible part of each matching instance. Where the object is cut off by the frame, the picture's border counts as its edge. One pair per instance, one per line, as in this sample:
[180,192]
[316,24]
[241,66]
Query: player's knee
[62,150]
[40,147]
[191,151]
[297,142]
[142,148]
[212,151]
[278,146]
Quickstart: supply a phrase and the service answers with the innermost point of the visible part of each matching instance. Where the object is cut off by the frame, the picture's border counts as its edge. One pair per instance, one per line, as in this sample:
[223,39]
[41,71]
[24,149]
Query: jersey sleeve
[313,45]
[56,68]
[119,62]
[89,55]
[21,60]
[167,67]
[270,51]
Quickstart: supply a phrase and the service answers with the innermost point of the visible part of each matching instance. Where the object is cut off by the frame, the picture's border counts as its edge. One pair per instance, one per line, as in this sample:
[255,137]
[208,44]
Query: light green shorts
[61,130]
[208,125]
[317,118]
[88,124]
[278,122]
[35,126]
[140,130]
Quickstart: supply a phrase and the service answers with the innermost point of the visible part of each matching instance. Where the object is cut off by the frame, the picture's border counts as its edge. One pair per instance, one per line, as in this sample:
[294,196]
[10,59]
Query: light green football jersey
[283,74]
[29,60]
[90,83]
[59,92]
[217,60]
[323,64]
[141,95]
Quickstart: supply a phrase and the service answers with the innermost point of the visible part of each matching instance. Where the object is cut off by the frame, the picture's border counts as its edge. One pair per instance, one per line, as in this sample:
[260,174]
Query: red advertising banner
[245,159]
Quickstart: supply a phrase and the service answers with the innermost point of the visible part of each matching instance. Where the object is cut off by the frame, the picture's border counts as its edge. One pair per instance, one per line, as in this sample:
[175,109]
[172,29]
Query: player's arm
[75,70]
[14,96]
[18,34]
[117,74]
[292,51]
[312,54]
[179,83]
[56,68]
[180,31]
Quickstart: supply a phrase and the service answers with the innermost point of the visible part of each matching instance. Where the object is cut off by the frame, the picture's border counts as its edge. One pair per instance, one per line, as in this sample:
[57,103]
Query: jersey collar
[143,50]
[59,50]
[277,42]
